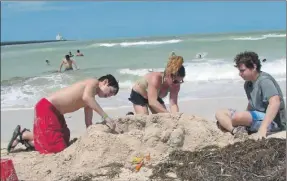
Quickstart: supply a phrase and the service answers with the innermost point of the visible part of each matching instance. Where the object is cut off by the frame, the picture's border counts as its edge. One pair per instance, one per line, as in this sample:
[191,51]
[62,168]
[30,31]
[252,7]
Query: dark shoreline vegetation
[29,42]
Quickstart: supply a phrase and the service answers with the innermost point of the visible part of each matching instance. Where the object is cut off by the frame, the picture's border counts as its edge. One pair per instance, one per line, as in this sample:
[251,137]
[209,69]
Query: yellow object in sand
[137,159]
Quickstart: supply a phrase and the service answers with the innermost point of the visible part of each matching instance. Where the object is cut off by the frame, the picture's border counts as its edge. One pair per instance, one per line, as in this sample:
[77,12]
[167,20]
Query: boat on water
[59,37]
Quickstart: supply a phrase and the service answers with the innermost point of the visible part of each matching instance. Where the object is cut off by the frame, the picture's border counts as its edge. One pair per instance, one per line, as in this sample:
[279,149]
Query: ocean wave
[28,91]
[136,43]
[213,70]
[25,92]
[238,38]
[262,37]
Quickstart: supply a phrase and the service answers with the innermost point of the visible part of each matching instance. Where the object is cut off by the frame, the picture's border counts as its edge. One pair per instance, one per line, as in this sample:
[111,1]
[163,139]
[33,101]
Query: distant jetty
[29,42]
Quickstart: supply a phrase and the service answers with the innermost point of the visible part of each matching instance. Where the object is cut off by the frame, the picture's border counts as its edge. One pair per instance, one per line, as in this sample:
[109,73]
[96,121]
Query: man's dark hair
[67,57]
[248,58]
[111,82]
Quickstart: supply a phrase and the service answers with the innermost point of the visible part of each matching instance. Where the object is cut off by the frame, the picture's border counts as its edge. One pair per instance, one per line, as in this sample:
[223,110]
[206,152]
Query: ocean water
[25,77]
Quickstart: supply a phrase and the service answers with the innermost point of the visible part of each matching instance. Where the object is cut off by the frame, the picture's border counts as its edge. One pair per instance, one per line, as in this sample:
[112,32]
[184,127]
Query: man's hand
[258,136]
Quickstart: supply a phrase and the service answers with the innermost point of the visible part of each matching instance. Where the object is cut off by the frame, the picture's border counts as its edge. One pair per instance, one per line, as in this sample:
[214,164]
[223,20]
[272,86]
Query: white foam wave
[136,43]
[106,44]
[126,84]
[262,37]
[207,71]
[137,72]
[27,93]
[214,70]
[128,44]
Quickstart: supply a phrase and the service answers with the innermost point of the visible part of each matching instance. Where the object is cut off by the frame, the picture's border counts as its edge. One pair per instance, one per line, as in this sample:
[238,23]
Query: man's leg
[228,119]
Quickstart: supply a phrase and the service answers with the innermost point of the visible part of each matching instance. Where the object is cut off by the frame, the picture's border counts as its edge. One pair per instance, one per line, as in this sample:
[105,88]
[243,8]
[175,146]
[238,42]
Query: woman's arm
[153,86]
[173,97]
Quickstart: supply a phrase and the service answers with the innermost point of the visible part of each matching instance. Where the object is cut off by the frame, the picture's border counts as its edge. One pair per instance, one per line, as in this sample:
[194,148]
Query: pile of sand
[100,155]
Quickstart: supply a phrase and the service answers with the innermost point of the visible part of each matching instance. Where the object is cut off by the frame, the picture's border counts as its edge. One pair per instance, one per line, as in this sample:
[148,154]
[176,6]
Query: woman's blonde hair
[174,64]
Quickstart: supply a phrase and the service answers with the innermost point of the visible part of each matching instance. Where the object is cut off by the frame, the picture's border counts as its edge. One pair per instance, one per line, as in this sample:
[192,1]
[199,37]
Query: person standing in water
[68,62]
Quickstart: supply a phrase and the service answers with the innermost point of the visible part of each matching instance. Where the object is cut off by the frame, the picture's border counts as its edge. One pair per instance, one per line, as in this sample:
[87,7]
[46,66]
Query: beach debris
[248,160]
[140,161]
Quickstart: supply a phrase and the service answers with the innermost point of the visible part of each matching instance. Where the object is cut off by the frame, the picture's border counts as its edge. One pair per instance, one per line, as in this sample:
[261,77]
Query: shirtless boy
[50,132]
[68,63]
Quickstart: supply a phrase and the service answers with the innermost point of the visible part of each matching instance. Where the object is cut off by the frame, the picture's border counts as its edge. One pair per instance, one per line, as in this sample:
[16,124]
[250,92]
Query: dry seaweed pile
[249,160]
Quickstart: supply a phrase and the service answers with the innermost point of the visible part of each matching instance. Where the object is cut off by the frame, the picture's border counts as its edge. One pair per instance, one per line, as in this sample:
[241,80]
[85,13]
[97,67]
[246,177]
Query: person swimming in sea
[48,62]
[70,54]
[68,63]
[79,54]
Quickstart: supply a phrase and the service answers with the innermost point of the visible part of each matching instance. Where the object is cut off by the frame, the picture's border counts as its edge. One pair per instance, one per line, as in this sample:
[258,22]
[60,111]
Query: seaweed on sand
[248,160]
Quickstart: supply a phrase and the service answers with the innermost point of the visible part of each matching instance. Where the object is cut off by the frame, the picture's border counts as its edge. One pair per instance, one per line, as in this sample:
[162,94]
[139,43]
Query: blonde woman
[147,92]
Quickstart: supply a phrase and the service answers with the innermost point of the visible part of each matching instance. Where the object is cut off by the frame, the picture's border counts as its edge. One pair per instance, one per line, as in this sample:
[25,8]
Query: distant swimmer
[199,56]
[79,53]
[47,61]
[68,62]
[70,54]
[264,60]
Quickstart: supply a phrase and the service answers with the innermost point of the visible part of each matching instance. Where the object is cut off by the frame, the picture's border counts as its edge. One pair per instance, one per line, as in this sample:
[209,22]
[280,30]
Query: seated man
[266,108]
[50,133]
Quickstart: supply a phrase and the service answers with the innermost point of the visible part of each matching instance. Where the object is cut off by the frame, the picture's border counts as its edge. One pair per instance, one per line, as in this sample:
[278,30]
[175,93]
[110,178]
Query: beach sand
[96,148]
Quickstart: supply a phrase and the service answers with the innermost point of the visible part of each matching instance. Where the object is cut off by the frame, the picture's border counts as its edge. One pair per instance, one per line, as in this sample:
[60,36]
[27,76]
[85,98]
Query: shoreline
[29,42]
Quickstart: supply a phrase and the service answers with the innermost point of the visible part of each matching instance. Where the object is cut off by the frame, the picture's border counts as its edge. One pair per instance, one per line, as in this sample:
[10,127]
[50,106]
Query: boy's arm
[89,99]
[88,116]
[270,94]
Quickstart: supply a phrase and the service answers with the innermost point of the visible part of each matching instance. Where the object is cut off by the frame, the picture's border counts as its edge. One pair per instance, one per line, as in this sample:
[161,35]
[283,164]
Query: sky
[88,20]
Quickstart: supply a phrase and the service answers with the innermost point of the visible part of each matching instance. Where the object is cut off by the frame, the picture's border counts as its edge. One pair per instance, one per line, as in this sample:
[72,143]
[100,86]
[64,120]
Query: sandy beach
[158,135]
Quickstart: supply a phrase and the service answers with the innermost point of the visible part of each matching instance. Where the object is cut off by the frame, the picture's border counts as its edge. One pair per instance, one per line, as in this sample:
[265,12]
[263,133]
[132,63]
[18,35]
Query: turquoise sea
[25,76]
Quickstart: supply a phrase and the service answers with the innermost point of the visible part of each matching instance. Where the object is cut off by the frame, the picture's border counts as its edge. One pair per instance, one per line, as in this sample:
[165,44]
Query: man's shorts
[51,134]
[257,118]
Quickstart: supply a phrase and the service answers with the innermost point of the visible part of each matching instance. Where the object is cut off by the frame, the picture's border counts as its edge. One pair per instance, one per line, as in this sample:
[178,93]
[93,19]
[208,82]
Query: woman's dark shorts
[138,99]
